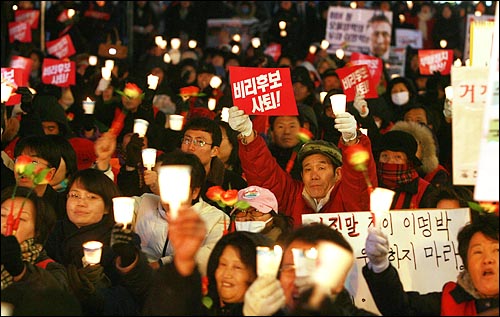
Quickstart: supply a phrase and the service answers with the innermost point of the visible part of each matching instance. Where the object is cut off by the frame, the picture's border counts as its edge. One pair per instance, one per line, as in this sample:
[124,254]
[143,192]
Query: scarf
[30,251]
[396,175]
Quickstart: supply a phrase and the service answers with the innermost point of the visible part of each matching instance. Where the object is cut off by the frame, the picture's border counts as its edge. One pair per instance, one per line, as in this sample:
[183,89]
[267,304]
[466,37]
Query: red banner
[97,15]
[434,61]
[374,65]
[357,78]
[61,47]
[29,16]
[15,77]
[25,64]
[273,50]
[263,91]
[58,73]
[19,31]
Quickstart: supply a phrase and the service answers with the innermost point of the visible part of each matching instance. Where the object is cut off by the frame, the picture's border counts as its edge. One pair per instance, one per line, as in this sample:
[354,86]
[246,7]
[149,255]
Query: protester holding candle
[474,293]
[26,267]
[89,217]
[328,185]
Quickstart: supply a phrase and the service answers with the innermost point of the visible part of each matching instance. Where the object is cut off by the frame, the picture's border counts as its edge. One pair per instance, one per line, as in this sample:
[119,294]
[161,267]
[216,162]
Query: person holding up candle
[89,217]
[329,183]
[397,170]
[474,293]
[26,266]
[151,221]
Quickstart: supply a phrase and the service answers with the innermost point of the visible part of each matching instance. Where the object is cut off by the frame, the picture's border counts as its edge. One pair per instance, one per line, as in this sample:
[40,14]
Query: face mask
[251,226]
[400,98]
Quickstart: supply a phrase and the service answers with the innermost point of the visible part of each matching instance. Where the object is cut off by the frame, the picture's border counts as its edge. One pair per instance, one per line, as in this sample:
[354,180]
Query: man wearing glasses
[202,136]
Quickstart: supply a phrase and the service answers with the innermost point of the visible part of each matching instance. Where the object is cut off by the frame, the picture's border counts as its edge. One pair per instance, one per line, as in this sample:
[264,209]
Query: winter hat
[260,198]
[300,74]
[400,141]
[85,152]
[321,147]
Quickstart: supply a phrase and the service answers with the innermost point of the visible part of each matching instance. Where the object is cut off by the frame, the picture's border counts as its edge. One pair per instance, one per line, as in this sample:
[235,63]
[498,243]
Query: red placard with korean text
[19,31]
[29,16]
[357,78]
[15,77]
[434,61]
[58,73]
[263,91]
[25,64]
[61,47]
[374,65]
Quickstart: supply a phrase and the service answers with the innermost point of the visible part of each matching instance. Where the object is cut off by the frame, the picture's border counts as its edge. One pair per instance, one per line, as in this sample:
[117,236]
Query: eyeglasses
[249,212]
[35,162]
[88,197]
[198,143]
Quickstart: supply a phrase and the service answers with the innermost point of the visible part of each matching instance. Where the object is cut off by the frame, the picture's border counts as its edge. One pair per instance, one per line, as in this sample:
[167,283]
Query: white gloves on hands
[103,84]
[264,297]
[361,105]
[239,121]
[346,124]
[377,249]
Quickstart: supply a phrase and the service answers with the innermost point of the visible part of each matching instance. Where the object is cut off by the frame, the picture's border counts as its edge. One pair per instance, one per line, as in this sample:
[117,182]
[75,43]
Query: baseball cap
[260,198]
[321,147]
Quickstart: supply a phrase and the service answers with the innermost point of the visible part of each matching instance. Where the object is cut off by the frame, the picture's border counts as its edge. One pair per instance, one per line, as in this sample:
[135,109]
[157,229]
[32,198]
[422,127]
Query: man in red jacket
[329,184]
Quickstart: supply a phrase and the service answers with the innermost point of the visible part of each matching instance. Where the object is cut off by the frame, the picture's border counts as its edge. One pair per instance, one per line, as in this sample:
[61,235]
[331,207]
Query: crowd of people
[62,167]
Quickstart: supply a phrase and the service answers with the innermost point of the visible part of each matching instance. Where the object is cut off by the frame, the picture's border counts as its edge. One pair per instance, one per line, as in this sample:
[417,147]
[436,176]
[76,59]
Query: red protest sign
[19,31]
[374,65]
[58,73]
[357,78]
[263,91]
[29,16]
[24,64]
[61,47]
[434,61]
[273,50]
[14,76]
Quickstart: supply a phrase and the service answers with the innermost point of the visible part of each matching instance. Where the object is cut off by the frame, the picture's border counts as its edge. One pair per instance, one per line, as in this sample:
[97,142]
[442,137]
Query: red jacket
[348,194]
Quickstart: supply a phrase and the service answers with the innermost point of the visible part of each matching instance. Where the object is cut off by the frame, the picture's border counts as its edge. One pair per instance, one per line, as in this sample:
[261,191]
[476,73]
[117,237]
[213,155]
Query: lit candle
[92,251]
[149,158]
[192,44]
[175,43]
[282,25]
[448,91]
[215,82]
[106,73]
[88,106]
[109,63]
[324,44]
[153,81]
[123,209]
[140,127]
[380,203]
[92,60]
[255,42]
[212,102]
[338,102]
[158,40]
[340,53]
[224,116]
[174,182]
[322,96]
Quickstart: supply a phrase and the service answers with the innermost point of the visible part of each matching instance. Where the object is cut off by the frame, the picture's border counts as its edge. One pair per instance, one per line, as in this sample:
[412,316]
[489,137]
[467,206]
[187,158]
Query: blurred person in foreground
[474,293]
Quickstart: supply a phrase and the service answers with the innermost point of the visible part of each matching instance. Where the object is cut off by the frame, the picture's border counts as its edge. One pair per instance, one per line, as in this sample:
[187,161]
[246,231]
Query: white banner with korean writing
[423,247]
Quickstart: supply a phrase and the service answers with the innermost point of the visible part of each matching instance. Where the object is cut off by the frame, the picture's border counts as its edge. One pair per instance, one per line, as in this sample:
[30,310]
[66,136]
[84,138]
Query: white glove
[377,249]
[361,105]
[103,84]
[239,121]
[346,124]
[264,297]
[303,283]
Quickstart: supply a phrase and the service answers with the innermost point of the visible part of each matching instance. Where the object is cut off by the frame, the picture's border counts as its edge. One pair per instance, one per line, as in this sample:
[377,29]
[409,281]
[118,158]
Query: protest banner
[25,64]
[58,73]
[435,61]
[357,79]
[14,76]
[19,31]
[470,88]
[263,91]
[423,247]
[467,41]
[220,32]
[29,16]
[61,47]
[374,65]
[405,37]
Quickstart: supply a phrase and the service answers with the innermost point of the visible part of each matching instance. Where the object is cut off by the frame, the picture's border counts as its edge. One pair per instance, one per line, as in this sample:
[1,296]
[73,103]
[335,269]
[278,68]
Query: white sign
[423,247]
[405,37]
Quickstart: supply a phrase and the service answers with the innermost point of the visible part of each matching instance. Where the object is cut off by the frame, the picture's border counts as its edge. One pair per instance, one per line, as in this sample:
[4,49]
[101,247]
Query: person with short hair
[379,30]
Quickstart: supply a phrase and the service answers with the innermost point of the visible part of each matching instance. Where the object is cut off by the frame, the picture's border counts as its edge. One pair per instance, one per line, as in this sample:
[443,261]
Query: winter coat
[349,194]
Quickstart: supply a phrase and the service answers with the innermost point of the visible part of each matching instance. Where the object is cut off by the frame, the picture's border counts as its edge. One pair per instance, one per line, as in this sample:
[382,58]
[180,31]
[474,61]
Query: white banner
[423,247]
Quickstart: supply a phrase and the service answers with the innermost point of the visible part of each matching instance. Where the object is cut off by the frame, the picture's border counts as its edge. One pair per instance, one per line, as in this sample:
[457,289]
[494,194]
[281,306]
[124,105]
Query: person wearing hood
[397,164]
[400,94]
[474,293]
[430,170]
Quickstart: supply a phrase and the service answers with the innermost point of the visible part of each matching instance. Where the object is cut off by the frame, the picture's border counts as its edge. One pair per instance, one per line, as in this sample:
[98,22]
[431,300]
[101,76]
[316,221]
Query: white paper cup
[88,106]
[123,209]
[380,203]
[175,122]
[175,185]
[109,63]
[338,102]
[149,157]
[333,264]
[140,127]
[268,260]
[92,251]
[304,261]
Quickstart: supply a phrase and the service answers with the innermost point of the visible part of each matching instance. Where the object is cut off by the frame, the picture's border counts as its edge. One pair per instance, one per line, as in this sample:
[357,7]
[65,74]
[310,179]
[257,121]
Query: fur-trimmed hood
[425,139]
